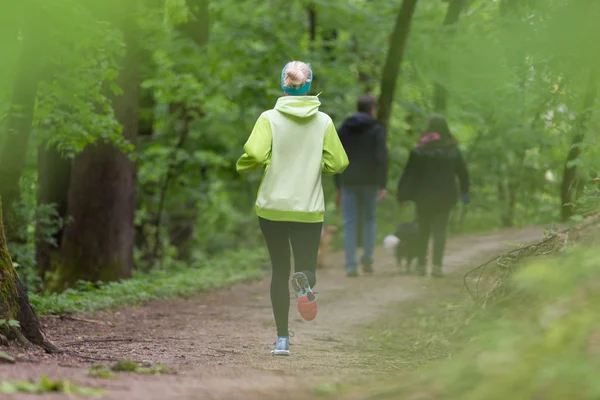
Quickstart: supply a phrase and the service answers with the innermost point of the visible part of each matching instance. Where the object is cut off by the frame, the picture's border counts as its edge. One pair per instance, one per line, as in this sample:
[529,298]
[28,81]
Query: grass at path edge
[223,271]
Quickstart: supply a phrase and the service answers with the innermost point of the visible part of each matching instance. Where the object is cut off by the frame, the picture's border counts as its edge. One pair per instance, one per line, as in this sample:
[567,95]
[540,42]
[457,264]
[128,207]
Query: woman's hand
[382,194]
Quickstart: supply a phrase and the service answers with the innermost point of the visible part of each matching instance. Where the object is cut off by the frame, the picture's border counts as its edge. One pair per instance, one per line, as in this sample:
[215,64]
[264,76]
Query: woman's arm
[407,182]
[335,159]
[257,150]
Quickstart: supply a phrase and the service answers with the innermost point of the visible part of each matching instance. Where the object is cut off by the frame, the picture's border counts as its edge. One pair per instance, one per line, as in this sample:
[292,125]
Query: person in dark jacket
[363,183]
[429,179]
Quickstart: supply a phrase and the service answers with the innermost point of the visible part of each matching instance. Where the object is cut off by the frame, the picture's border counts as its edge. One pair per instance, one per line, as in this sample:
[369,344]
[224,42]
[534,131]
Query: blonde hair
[297,74]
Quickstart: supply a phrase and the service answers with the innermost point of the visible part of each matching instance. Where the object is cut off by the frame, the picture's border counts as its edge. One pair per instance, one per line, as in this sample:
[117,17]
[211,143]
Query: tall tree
[15,138]
[98,243]
[440,94]
[15,305]
[393,61]
[570,182]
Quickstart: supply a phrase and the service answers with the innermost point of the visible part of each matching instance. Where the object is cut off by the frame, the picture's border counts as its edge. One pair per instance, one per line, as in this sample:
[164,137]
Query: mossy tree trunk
[98,242]
[15,305]
[393,61]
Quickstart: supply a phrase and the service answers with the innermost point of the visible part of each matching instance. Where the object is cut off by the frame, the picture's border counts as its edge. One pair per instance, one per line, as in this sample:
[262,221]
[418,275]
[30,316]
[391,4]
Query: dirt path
[220,341]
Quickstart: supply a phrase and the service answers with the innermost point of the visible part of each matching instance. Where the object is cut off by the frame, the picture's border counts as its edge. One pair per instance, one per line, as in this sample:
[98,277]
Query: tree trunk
[569,182]
[393,61]
[312,23]
[440,94]
[54,174]
[197,27]
[15,305]
[98,243]
[20,118]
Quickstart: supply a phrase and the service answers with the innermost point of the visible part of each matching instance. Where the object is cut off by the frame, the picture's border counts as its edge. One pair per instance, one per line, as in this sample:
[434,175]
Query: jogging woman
[296,144]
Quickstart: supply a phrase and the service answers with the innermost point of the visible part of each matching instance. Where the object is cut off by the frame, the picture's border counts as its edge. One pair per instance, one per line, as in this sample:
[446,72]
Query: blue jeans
[359,202]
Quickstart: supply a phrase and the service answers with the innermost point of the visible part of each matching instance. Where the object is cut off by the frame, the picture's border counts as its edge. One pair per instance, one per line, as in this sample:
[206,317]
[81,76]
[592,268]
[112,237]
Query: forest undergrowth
[526,326]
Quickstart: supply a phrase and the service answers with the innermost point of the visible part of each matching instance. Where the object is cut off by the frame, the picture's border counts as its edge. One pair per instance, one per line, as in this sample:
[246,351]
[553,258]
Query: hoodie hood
[298,106]
[359,122]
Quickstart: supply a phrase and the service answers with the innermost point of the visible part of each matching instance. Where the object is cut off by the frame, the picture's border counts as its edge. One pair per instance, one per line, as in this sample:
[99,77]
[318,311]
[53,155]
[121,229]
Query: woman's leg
[424,221]
[278,243]
[439,227]
[305,239]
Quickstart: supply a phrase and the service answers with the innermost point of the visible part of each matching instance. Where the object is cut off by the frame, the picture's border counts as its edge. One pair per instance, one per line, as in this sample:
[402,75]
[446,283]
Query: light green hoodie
[296,144]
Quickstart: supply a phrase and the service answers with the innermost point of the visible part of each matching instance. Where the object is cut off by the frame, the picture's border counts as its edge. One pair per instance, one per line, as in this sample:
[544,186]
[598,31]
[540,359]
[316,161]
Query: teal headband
[292,90]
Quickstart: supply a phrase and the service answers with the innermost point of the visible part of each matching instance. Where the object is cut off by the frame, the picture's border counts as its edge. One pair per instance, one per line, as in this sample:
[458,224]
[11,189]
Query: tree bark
[440,93]
[569,182]
[15,305]
[98,243]
[393,61]
[54,176]
[20,117]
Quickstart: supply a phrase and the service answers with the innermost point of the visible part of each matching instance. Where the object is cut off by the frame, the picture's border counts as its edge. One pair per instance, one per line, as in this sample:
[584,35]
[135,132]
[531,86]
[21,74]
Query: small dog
[406,248]
[326,233]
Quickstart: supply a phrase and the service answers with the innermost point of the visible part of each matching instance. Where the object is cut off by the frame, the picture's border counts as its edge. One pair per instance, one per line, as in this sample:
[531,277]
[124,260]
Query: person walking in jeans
[429,179]
[363,183]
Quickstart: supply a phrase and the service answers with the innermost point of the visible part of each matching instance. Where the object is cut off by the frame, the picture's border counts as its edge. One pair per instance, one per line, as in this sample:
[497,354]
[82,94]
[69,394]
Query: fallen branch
[509,260]
[76,354]
[91,321]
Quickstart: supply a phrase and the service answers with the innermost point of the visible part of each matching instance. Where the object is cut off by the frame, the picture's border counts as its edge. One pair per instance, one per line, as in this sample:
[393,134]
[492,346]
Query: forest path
[219,341]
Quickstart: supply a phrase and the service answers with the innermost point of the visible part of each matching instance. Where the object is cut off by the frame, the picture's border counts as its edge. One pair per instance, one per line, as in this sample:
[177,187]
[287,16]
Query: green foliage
[104,372]
[30,213]
[544,346]
[229,268]
[515,80]
[101,371]
[514,95]
[325,389]
[125,366]
[130,366]
[10,323]
[47,385]
[6,357]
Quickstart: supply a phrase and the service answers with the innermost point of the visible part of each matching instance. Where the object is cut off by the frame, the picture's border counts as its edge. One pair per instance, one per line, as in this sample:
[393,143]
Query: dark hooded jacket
[429,178]
[363,139]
